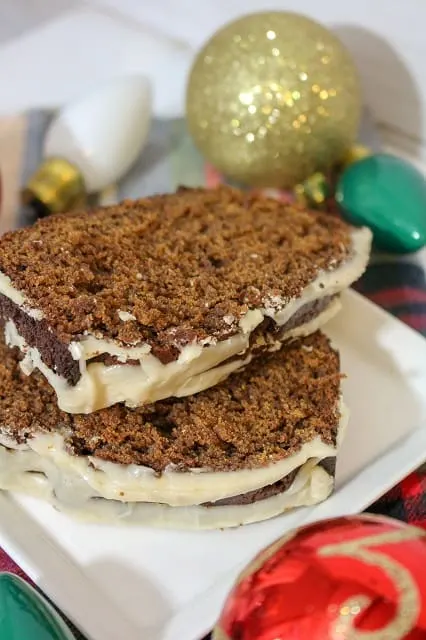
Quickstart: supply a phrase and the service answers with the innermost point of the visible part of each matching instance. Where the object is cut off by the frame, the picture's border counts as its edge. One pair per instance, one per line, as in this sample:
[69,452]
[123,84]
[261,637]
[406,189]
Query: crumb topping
[170,269]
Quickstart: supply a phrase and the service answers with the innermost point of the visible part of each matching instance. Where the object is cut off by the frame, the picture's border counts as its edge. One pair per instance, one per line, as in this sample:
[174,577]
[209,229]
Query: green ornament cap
[388,195]
[26,615]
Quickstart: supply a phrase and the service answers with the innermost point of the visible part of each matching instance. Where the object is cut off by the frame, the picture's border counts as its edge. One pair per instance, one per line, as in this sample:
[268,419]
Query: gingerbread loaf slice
[261,442]
[166,296]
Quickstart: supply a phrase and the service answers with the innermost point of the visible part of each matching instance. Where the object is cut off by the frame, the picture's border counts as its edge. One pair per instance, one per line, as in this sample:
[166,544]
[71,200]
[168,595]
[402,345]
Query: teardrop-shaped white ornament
[104,132]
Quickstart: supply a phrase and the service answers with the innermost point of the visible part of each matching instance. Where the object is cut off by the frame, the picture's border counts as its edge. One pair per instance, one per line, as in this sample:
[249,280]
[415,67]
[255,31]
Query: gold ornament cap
[57,186]
[355,153]
[313,191]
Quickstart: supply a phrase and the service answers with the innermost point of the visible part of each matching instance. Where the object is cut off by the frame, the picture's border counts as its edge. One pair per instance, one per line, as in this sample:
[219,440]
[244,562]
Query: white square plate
[145,584]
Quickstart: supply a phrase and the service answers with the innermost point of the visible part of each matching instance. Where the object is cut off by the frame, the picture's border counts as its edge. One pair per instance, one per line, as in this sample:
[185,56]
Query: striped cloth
[396,284]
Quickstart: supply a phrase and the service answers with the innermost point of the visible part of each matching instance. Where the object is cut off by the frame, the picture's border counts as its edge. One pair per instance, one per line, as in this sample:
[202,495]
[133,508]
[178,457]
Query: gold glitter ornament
[273,98]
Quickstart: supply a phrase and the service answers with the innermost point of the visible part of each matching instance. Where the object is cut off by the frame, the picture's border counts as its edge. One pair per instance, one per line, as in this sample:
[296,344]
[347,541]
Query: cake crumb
[125,316]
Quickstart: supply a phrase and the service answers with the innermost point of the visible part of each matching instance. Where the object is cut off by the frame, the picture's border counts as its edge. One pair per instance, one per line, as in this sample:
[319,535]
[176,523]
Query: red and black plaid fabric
[400,288]
[406,501]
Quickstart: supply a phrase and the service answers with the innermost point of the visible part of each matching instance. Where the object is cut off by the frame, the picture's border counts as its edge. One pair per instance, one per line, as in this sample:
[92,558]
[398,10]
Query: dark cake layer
[328,464]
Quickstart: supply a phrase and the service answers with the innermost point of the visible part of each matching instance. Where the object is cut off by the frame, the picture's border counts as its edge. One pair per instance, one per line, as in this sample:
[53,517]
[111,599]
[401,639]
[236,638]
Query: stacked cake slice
[164,363]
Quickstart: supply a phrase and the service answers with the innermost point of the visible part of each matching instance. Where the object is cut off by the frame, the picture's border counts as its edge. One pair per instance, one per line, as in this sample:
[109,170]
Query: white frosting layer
[102,386]
[17,297]
[198,366]
[311,485]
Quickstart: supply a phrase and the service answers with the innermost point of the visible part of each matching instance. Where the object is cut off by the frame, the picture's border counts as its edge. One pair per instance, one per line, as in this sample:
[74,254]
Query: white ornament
[104,132]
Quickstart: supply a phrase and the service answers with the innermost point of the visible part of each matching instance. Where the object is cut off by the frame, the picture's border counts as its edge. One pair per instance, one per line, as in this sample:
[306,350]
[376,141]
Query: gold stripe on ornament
[408,604]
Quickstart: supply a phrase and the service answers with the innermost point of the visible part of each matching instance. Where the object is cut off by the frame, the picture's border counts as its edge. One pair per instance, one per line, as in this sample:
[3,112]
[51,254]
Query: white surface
[70,55]
[86,131]
[19,16]
[159,585]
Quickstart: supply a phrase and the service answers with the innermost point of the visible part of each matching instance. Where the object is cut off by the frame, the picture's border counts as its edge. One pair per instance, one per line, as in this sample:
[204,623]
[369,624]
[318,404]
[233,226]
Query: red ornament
[353,578]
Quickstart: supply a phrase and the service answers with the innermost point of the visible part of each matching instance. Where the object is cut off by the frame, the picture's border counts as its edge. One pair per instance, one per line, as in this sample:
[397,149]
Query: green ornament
[25,615]
[388,195]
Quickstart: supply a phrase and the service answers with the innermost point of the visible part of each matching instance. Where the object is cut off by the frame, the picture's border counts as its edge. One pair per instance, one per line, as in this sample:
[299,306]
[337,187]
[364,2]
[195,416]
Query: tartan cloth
[396,284]
[400,288]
